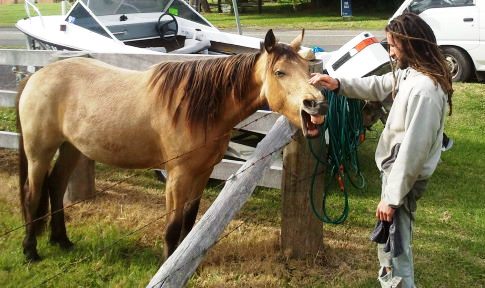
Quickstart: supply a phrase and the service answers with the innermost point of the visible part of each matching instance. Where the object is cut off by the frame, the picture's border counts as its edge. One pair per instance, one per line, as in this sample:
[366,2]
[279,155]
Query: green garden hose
[345,128]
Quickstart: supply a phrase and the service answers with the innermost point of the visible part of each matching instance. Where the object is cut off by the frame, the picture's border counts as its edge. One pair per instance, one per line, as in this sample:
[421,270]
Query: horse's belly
[123,153]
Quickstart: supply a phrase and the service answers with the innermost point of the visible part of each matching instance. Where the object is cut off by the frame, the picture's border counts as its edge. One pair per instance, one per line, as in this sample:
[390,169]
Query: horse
[175,116]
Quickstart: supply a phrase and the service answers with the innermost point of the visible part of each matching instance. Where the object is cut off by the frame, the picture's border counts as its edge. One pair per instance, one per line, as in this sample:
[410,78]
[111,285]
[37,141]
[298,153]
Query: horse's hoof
[65,244]
[31,256]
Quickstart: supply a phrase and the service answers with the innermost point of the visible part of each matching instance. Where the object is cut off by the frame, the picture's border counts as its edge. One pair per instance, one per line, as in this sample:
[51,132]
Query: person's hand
[323,80]
[384,212]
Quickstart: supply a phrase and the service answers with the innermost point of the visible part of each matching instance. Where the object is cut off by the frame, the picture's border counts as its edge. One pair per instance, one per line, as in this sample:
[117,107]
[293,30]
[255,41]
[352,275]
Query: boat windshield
[176,7]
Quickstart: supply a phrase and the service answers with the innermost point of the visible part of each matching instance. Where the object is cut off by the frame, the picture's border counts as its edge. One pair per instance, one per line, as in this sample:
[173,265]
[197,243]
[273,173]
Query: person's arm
[422,126]
[373,88]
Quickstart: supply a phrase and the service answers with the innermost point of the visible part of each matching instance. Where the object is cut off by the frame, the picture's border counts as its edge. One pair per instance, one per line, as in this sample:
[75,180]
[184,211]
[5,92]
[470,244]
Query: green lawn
[276,16]
[449,242]
[11,13]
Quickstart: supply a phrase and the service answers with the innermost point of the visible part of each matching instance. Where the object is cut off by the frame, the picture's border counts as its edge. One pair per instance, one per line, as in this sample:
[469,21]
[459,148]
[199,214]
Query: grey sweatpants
[402,265]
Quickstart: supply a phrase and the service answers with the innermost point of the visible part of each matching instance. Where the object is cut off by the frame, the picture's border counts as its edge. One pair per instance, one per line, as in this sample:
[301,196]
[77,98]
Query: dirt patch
[8,161]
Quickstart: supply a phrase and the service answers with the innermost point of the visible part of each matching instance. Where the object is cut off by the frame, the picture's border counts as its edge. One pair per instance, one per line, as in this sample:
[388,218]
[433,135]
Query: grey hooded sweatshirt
[409,148]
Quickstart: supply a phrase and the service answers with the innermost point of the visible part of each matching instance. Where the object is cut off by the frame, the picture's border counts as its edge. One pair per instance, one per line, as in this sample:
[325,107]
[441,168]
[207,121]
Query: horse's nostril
[313,107]
[309,103]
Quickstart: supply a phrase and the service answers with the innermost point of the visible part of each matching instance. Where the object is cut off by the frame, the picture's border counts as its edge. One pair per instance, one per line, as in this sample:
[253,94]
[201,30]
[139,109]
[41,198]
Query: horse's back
[100,109]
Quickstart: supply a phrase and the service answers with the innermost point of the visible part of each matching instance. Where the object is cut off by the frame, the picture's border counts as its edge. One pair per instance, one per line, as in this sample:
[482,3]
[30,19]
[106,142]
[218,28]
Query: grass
[276,16]
[11,13]
[280,18]
[449,243]
[7,119]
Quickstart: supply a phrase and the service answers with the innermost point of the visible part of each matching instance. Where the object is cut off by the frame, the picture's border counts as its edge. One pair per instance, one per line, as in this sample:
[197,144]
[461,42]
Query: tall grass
[449,242]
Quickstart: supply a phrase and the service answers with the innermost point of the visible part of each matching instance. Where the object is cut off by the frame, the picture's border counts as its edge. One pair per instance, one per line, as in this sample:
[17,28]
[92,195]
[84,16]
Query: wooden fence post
[81,183]
[301,231]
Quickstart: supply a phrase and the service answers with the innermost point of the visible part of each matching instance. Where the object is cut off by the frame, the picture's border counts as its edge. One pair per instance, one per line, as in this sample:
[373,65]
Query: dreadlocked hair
[418,43]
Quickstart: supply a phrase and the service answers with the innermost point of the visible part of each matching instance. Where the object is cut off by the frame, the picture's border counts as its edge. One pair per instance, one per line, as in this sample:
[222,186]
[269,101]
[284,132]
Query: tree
[198,4]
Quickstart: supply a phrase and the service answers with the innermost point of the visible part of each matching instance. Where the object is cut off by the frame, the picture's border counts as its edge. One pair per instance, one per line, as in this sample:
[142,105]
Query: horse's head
[285,76]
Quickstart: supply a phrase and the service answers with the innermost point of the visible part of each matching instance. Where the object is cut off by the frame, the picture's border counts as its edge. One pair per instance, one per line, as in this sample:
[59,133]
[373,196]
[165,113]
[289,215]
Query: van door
[454,22]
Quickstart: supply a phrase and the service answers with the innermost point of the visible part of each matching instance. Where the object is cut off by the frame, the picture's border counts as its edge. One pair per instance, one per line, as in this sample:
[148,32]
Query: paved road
[330,40]
[11,37]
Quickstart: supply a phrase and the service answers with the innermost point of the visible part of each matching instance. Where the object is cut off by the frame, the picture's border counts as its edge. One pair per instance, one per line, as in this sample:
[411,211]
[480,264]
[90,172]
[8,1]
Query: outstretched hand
[323,80]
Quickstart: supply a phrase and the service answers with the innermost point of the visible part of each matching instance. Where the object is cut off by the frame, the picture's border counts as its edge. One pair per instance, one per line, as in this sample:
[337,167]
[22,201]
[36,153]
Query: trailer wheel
[459,64]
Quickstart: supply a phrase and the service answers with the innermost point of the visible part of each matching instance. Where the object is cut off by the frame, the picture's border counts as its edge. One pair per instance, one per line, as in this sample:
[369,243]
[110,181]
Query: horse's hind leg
[35,204]
[58,181]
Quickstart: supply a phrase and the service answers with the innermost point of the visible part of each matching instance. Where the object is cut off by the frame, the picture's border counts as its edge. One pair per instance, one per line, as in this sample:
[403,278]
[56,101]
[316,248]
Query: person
[409,147]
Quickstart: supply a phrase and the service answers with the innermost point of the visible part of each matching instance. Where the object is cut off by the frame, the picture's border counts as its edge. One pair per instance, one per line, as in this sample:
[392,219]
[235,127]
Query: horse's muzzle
[312,116]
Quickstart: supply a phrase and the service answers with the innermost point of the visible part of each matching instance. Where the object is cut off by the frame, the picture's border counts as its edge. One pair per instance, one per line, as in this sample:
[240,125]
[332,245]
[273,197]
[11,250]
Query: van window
[418,6]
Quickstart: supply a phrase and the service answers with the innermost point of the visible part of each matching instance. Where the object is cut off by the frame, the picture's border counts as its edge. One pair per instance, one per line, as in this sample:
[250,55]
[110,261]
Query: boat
[168,26]
[129,26]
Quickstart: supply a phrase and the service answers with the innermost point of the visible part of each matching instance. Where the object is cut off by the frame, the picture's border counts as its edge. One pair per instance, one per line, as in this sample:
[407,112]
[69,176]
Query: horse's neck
[237,111]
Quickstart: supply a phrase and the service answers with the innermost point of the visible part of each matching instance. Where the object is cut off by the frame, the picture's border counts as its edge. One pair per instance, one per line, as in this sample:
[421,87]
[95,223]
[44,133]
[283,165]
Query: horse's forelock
[282,51]
[206,83]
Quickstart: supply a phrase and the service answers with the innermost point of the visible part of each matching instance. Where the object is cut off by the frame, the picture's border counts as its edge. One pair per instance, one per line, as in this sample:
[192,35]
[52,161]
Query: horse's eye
[279,73]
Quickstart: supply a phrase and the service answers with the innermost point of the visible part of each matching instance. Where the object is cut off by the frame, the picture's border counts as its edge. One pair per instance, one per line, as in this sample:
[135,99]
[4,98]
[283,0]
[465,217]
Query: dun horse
[176,116]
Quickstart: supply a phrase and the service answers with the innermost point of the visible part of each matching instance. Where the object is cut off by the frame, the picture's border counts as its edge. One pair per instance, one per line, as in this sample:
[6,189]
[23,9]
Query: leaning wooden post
[81,183]
[180,266]
[301,231]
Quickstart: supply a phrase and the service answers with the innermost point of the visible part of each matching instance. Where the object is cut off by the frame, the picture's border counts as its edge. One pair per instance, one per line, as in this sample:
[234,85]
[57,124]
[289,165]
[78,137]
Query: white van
[459,26]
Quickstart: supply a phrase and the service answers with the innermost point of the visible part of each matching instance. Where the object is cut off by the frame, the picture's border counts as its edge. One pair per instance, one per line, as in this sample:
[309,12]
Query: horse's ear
[296,43]
[269,41]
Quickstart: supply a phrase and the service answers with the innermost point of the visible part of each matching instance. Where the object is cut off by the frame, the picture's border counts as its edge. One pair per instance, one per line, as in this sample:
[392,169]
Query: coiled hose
[346,131]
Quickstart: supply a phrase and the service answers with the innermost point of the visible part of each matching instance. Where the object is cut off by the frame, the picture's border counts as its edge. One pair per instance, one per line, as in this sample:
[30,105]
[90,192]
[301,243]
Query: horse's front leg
[183,192]
[192,206]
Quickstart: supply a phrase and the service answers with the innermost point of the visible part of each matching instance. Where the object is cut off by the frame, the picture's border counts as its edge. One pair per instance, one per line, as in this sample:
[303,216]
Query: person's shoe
[447,144]
[387,280]
[396,282]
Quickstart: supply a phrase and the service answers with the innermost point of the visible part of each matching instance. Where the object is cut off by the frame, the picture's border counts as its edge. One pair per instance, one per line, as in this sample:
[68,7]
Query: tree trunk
[205,6]
[195,4]
[219,9]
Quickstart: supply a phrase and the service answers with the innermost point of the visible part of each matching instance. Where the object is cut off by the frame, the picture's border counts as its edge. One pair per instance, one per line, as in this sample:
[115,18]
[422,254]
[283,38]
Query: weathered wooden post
[301,231]
[81,183]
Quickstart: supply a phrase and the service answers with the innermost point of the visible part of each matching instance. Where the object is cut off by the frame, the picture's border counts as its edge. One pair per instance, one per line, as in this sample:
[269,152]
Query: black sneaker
[447,144]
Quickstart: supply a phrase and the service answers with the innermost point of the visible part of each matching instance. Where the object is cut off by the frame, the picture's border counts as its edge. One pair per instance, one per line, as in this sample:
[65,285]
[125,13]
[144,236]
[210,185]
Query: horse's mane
[206,81]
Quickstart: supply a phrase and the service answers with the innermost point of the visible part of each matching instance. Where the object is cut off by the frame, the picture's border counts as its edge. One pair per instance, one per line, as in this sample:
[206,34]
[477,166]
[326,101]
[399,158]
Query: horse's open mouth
[310,124]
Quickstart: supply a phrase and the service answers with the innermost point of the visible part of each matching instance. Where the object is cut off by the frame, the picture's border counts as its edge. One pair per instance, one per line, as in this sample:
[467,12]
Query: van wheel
[459,64]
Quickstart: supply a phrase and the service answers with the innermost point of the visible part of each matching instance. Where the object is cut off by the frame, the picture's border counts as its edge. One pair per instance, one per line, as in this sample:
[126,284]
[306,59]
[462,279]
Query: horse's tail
[23,171]
[23,166]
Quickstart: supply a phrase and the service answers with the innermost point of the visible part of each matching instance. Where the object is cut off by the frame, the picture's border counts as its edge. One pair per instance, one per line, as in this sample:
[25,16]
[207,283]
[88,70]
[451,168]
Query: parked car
[459,26]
